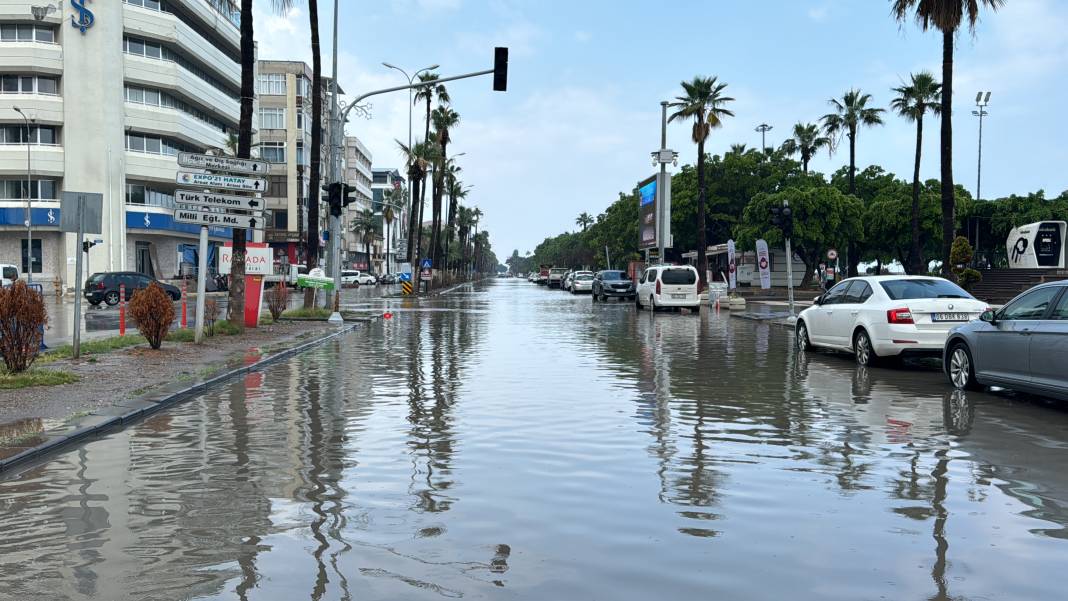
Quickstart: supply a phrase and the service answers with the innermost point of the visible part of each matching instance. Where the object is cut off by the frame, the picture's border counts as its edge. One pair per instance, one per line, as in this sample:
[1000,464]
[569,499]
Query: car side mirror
[818,300]
[989,316]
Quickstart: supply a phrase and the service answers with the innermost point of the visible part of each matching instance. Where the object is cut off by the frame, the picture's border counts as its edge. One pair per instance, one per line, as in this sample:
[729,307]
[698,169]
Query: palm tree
[921,94]
[444,119]
[393,198]
[426,93]
[464,221]
[312,244]
[584,220]
[363,225]
[456,193]
[419,157]
[705,103]
[806,141]
[946,16]
[850,114]
[738,149]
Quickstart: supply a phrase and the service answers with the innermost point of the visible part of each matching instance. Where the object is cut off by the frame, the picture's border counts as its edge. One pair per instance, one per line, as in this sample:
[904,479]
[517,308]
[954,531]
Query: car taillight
[100,285]
[899,316]
[658,286]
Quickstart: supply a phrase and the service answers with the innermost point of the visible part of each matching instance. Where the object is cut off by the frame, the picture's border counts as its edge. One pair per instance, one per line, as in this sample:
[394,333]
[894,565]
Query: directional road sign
[190,215]
[225,201]
[226,182]
[216,163]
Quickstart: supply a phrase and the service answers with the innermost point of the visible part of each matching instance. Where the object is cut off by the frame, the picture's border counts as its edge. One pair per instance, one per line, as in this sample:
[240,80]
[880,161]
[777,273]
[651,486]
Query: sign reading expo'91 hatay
[225,182]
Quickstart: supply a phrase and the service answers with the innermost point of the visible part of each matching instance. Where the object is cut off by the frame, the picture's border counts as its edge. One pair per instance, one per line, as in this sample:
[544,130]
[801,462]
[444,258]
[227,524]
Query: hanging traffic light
[346,190]
[333,198]
[500,69]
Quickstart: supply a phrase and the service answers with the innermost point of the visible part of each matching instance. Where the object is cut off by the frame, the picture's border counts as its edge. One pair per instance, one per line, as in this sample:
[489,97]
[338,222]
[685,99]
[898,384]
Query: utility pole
[982,99]
[29,205]
[334,133]
[663,187]
[763,128]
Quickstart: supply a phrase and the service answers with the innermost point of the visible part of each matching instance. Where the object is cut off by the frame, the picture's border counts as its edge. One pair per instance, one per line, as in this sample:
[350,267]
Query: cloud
[583,36]
[819,13]
[522,39]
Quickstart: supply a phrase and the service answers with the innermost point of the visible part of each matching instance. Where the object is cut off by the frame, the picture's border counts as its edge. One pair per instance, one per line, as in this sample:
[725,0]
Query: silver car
[1022,346]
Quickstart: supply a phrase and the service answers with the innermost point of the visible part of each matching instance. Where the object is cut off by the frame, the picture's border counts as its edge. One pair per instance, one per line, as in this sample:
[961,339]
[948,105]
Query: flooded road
[510,442]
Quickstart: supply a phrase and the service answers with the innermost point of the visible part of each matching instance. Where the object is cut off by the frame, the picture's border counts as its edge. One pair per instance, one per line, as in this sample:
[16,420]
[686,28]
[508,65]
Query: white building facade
[384,183]
[109,107]
[357,166]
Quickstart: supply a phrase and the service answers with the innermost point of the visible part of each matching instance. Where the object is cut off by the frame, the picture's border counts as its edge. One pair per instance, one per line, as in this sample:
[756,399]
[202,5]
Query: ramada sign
[258,259]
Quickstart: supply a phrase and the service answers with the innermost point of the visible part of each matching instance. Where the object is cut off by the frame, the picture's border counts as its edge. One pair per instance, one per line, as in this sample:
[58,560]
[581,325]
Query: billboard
[647,213]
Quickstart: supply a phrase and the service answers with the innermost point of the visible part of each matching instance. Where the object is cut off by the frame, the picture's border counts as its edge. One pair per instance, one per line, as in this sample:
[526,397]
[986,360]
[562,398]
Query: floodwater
[511,442]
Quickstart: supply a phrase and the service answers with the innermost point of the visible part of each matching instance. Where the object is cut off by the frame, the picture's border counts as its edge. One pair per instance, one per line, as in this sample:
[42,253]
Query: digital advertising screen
[647,213]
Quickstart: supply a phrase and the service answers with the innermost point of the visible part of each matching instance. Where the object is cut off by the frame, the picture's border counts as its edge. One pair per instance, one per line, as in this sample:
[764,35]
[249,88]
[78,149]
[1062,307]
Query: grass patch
[226,328]
[35,377]
[302,313]
[92,347]
[186,335]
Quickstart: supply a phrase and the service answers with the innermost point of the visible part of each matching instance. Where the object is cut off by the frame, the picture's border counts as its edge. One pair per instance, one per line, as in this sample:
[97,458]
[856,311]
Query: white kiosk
[1037,245]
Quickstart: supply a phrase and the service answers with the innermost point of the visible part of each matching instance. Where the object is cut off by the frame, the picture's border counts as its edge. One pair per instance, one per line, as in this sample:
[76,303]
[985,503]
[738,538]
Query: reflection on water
[521,442]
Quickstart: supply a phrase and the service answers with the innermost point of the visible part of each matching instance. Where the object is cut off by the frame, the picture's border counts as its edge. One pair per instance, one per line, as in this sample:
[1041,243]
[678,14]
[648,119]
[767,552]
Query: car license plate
[678,296]
[950,317]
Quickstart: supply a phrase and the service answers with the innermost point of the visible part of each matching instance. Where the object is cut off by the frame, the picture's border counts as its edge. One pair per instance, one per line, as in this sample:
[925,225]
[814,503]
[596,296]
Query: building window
[273,152]
[16,134]
[28,84]
[281,220]
[300,154]
[272,118]
[154,97]
[37,259]
[153,145]
[139,194]
[19,32]
[272,83]
[15,189]
[153,4]
[155,50]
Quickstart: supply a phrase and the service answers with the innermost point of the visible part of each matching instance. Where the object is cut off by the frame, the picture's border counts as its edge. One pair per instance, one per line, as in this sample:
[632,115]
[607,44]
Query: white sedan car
[581,281]
[886,317]
[362,278]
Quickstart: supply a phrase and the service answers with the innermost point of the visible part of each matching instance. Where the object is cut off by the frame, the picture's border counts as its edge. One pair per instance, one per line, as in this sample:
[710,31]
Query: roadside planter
[315,279]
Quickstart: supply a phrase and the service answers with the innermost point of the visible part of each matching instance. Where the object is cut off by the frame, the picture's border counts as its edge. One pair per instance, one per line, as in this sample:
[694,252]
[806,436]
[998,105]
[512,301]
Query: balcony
[209,17]
[145,167]
[45,160]
[36,57]
[173,123]
[170,76]
[47,110]
[165,27]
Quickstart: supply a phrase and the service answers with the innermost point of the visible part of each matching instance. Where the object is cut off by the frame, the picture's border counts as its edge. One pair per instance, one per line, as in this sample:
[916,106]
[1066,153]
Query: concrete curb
[129,411]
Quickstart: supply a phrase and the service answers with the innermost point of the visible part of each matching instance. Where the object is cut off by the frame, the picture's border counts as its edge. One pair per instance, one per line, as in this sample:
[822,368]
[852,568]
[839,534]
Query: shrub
[211,314]
[277,299]
[22,321]
[960,255]
[153,311]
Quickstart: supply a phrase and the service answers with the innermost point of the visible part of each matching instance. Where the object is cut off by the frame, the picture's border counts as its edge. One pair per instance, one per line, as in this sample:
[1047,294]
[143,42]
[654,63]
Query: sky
[582,110]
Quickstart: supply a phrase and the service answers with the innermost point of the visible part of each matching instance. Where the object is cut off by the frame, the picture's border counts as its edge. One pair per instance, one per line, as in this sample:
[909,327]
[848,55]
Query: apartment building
[107,104]
[357,169]
[384,182]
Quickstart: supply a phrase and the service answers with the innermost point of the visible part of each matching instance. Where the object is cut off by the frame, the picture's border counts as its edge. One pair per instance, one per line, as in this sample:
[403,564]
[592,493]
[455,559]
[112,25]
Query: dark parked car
[1021,346]
[104,287]
[612,283]
[388,278]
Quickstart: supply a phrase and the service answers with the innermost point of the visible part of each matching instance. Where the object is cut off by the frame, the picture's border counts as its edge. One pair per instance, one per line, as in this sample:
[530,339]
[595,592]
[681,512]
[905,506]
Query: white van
[668,286]
[8,274]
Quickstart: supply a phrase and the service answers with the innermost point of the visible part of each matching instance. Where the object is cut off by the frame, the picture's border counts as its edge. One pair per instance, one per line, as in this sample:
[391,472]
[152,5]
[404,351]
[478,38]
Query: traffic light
[333,198]
[346,190]
[783,218]
[500,69]
[86,245]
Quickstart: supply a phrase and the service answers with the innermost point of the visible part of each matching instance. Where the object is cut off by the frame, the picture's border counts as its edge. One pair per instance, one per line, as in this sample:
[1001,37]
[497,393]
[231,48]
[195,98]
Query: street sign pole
[790,275]
[202,283]
[78,280]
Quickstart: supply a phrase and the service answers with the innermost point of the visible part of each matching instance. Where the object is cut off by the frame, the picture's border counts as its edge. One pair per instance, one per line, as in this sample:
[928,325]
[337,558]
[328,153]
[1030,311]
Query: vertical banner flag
[764,263]
[732,267]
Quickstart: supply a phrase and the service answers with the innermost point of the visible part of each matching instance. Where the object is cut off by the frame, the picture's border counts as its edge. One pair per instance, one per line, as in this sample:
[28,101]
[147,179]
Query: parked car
[556,277]
[880,317]
[542,278]
[581,281]
[1021,346]
[8,274]
[104,287]
[388,278]
[566,282]
[612,283]
[668,286]
[361,278]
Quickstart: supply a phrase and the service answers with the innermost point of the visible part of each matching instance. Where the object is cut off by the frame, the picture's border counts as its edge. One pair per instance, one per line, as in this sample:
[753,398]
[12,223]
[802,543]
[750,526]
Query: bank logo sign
[84,18]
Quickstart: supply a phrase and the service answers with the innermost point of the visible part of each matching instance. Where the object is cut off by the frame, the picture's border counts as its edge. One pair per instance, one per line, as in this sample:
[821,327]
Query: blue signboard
[141,220]
[426,264]
[43,217]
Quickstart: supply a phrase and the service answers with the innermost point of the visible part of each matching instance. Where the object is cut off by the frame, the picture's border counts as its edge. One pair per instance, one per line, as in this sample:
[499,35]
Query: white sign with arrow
[224,201]
[226,182]
[217,163]
[191,215]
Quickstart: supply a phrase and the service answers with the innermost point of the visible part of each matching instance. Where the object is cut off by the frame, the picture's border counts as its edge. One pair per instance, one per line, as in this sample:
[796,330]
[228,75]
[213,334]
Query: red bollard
[122,309]
[185,293]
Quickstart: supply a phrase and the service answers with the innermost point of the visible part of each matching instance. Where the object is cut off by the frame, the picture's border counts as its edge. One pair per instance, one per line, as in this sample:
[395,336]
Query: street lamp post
[763,128]
[29,206]
[982,99]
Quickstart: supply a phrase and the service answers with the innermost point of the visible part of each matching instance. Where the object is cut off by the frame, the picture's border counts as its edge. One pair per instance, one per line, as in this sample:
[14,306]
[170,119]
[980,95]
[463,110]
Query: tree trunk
[450,228]
[244,147]
[853,260]
[413,216]
[312,258]
[804,165]
[388,233]
[917,261]
[948,201]
[702,242]
[419,225]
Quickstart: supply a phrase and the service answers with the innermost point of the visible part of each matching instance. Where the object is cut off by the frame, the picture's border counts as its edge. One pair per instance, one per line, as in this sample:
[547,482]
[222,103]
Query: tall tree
[418,158]
[456,193]
[394,198]
[427,92]
[444,119]
[363,225]
[584,221]
[947,16]
[703,102]
[806,141]
[312,254]
[921,94]
[851,113]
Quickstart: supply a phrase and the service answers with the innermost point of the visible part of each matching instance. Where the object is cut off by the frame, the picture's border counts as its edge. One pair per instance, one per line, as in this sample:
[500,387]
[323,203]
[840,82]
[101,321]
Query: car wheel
[652,304]
[593,295]
[638,303]
[863,351]
[111,298]
[801,337]
[961,368]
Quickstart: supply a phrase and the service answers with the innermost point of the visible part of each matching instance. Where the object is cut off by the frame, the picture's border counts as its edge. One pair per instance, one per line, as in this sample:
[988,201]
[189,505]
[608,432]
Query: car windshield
[584,276]
[614,275]
[10,273]
[922,288]
[678,277]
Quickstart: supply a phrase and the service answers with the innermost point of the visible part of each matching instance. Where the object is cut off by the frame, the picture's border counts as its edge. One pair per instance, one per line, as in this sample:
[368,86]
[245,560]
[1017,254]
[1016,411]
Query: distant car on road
[388,278]
[880,317]
[362,278]
[104,287]
[566,281]
[668,287]
[1022,346]
[612,283]
[556,277]
[581,281]
[8,274]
